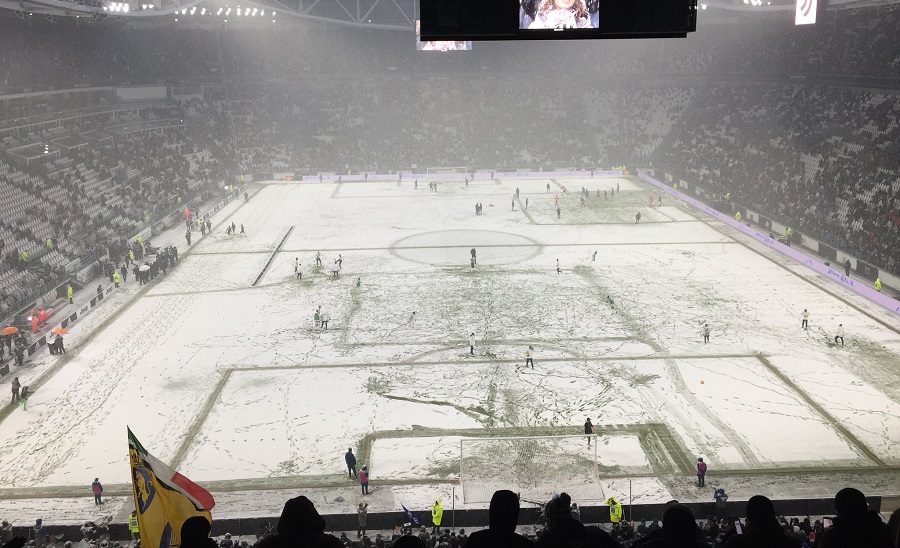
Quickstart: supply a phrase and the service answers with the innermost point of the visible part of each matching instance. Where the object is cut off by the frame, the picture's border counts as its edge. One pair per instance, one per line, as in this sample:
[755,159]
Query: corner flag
[163,498]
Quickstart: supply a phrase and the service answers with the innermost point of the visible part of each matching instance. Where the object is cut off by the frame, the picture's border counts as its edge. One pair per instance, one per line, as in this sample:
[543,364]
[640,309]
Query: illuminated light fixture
[219,12]
[176,19]
[254,11]
[184,11]
[703,6]
[226,20]
[228,11]
[203,11]
[125,8]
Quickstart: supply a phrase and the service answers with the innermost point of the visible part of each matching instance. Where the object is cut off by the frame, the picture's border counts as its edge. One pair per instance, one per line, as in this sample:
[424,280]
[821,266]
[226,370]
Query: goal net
[535,467]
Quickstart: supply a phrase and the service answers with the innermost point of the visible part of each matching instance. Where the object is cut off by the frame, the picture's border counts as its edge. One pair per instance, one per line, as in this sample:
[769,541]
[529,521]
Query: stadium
[243,242]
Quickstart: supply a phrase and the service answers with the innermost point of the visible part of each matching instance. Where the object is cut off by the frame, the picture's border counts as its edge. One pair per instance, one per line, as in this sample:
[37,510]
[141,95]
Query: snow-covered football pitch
[233,384]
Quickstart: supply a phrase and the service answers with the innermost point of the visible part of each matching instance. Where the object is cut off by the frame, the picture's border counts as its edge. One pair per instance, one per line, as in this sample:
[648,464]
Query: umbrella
[144,268]
[9,330]
[60,331]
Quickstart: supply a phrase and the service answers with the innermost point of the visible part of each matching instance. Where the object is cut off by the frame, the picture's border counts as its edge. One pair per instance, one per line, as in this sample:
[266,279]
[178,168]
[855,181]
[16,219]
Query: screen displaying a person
[438,45]
[558,14]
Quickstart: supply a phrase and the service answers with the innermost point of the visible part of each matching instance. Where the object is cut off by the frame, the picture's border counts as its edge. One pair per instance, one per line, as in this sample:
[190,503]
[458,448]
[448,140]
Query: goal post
[535,467]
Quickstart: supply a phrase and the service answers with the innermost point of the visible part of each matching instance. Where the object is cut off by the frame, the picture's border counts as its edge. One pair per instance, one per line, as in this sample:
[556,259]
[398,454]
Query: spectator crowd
[560,525]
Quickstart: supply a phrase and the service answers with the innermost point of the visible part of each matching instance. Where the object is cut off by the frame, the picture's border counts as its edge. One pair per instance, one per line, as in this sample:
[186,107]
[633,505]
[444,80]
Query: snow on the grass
[283,423]
[64,511]
[638,490]
[621,452]
[866,411]
[405,458]
[155,366]
[781,428]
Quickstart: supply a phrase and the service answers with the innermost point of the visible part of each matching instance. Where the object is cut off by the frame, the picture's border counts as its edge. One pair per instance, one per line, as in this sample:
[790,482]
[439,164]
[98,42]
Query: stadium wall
[835,274]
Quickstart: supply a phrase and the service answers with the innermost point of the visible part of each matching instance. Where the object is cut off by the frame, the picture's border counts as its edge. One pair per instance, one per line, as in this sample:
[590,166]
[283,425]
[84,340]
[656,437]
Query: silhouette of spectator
[409,541]
[679,530]
[503,516]
[300,525]
[894,526]
[763,529]
[195,533]
[654,532]
[854,525]
[563,531]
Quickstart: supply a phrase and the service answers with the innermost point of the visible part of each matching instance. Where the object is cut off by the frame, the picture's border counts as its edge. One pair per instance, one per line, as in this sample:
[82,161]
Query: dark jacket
[503,515]
[350,458]
[570,533]
[868,531]
[300,525]
[768,535]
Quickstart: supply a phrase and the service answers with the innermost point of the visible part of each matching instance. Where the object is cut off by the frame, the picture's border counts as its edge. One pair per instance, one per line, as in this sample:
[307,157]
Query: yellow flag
[163,498]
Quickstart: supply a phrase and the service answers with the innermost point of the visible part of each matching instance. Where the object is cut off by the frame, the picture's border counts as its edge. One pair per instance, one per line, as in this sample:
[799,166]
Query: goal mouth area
[535,467]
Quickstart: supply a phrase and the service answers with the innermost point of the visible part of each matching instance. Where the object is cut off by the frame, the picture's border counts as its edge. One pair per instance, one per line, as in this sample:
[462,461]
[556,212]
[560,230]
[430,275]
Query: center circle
[453,247]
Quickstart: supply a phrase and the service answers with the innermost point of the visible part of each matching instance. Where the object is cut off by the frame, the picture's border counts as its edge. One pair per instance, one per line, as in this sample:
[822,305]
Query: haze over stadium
[261,234]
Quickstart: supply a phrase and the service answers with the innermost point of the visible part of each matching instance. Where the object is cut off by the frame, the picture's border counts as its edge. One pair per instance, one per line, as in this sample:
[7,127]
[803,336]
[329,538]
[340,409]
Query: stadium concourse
[328,301]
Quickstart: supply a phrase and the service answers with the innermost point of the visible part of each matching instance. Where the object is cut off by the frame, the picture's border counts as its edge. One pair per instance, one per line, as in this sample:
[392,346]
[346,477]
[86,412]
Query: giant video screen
[559,14]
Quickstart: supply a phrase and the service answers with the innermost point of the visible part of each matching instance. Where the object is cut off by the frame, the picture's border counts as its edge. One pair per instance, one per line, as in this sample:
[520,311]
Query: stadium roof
[383,14]
[376,14]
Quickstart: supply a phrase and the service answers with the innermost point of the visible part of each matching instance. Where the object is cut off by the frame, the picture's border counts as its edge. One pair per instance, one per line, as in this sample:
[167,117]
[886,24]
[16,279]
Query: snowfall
[233,384]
